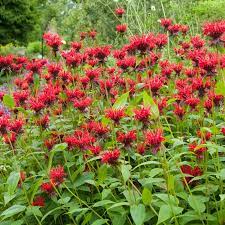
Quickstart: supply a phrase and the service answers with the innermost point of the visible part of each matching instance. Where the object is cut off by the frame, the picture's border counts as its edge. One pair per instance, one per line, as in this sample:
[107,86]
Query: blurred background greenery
[23,22]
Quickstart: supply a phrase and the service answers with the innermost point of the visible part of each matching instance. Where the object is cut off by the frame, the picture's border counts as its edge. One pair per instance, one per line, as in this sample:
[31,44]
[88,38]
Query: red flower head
[197,42]
[101,53]
[223,130]
[82,104]
[36,104]
[155,84]
[83,35]
[197,150]
[95,150]
[141,148]
[154,139]
[16,126]
[4,123]
[110,157]
[191,173]
[73,58]
[205,135]
[97,128]
[47,188]
[43,121]
[192,102]
[179,111]
[121,28]
[10,138]
[142,114]
[214,30]
[39,201]
[76,46]
[119,11]
[126,62]
[184,29]
[174,29]
[115,114]
[81,139]
[53,40]
[208,104]
[6,62]
[177,67]
[92,34]
[49,143]
[143,43]
[57,175]
[126,138]
[166,22]
[120,54]
[54,69]
[209,63]
[93,74]
[161,40]
[20,97]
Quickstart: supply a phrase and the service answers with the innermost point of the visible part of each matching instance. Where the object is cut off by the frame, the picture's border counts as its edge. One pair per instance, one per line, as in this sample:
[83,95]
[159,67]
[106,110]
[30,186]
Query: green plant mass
[112,112]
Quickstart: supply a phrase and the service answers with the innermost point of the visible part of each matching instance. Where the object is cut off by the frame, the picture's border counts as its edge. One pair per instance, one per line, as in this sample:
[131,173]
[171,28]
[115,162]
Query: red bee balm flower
[110,157]
[126,138]
[121,28]
[39,201]
[47,188]
[191,172]
[142,114]
[223,130]
[115,114]
[119,11]
[154,139]
[83,103]
[57,175]
[166,22]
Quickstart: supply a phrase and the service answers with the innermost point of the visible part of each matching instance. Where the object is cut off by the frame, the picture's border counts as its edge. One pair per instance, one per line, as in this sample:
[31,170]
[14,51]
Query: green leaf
[121,101]
[167,211]
[196,203]
[164,214]
[12,182]
[118,205]
[13,210]
[8,101]
[125,170]
[8,197]
[34,210]
[99,222]
[102,203]
[170,183]
[102,174]
[138,214]
[35,188]
[149,102]
[146,196]
[220,88]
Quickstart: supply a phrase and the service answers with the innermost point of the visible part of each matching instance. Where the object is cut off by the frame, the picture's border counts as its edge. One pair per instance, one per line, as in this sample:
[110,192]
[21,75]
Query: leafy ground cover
[97,135]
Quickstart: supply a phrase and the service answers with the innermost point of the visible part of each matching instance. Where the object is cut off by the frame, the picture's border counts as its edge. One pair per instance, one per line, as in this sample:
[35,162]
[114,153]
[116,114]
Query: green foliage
[17,20]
